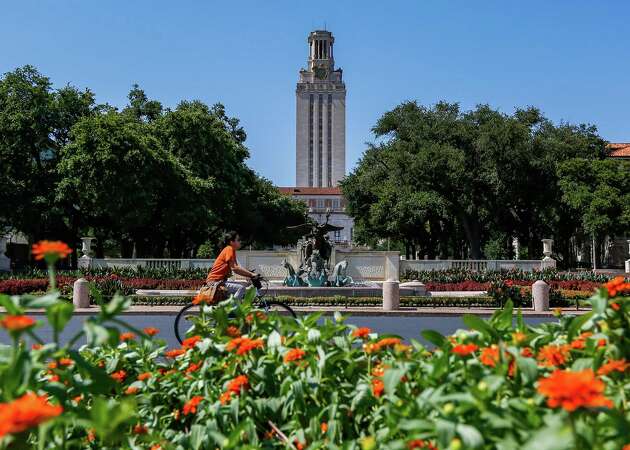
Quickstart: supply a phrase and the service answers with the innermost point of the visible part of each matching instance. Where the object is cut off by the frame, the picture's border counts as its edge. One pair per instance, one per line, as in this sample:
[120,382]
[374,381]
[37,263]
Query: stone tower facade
[321,116]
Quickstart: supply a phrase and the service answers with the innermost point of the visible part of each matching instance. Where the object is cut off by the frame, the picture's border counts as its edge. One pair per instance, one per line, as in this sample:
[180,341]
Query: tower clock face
[320,73]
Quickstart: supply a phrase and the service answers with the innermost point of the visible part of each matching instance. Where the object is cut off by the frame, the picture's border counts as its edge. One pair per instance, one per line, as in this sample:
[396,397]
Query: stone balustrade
[477,265]
[363,265]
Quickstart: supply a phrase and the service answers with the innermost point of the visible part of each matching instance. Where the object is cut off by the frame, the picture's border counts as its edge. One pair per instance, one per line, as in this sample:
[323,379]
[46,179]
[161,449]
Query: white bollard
[540,295]
[391,295]
[81,293]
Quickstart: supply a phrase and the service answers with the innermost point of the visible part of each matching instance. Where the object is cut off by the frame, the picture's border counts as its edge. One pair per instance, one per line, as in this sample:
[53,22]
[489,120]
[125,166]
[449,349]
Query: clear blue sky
[570,58]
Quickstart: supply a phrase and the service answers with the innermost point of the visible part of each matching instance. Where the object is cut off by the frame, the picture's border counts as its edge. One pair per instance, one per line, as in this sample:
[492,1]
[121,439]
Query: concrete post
[81,293]
[5,262]
[628,260]
[540,295]
[391,295]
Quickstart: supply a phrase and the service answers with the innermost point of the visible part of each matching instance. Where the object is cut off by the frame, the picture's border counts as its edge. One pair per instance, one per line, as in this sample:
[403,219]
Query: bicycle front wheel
[272,306]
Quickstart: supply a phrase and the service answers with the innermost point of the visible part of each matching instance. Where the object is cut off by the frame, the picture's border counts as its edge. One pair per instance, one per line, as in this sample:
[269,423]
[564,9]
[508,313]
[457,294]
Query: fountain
[315,250]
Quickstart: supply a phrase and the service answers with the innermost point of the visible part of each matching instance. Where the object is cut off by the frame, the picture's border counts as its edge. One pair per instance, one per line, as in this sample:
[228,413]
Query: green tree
[451,182]
[35,123]
[598,194]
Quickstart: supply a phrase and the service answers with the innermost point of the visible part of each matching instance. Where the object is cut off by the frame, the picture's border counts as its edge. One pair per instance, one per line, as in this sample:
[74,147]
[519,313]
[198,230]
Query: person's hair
[229,237]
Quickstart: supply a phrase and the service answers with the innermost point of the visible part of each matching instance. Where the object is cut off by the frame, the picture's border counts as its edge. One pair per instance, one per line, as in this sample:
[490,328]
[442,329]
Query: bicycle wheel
[272,306]
[183,322]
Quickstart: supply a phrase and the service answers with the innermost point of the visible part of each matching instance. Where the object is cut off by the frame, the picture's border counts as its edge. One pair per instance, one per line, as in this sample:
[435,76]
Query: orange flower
[294,354]
[490,356]
[66,362]
[377,387]
[518,337]
[619,365]
[420,443]
[191,406]
[26,412]
[238,383]
[324,427]
[52,365]
[233,331]
[144,376]
[140,429]
[36,346]
[131,390]
[78,398]
[370,348]
[225,397]
[553,355]
[615,306]
[573,390]
[527,352]
[91,435]
[193,368]
[156,447]
[175,353]
[50,250]
[16,323]
[616,286]
[464,349]
[234,343]
[119,376]
[361,333]
[602,343]
[128,336]
[578,344]
[151,331]
[248,345]
[190,342]
[387,342]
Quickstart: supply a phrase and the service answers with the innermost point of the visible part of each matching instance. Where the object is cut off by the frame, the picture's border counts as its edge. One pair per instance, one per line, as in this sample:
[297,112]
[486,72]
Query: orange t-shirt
[221,267]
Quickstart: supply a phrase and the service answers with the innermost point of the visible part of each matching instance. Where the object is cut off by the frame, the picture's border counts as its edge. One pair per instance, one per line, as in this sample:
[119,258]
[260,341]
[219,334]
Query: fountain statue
[315,250]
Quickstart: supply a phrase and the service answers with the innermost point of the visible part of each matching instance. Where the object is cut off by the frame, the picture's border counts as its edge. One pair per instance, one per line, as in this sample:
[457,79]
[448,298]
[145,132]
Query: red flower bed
[17,287]
[462,286]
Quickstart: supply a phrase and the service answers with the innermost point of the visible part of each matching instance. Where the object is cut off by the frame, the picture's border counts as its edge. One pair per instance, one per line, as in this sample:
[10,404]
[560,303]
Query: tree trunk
[473,235]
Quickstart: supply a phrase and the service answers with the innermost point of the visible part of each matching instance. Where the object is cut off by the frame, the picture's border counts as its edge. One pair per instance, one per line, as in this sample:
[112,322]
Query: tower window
[320,156]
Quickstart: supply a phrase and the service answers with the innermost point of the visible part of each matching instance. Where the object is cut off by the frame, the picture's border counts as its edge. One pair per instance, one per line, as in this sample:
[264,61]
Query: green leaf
[95,334]
[433,337]
[576,324]
[502,319]
[116,305]
[471,437]
[197,436]
[10,304]
[28,301]
[59,314]
[527,368]
[391,379]
[250,294]
[477,323]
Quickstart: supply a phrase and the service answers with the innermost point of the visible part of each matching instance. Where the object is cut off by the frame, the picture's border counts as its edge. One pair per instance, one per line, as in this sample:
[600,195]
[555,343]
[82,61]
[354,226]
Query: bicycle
[261,302]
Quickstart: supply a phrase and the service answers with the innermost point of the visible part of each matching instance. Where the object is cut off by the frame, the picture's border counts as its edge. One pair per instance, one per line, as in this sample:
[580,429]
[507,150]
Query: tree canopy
[163,180]
[453,183]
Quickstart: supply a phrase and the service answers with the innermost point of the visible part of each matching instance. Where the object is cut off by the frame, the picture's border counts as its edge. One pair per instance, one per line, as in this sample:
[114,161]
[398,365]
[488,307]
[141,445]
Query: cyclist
[226,263]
